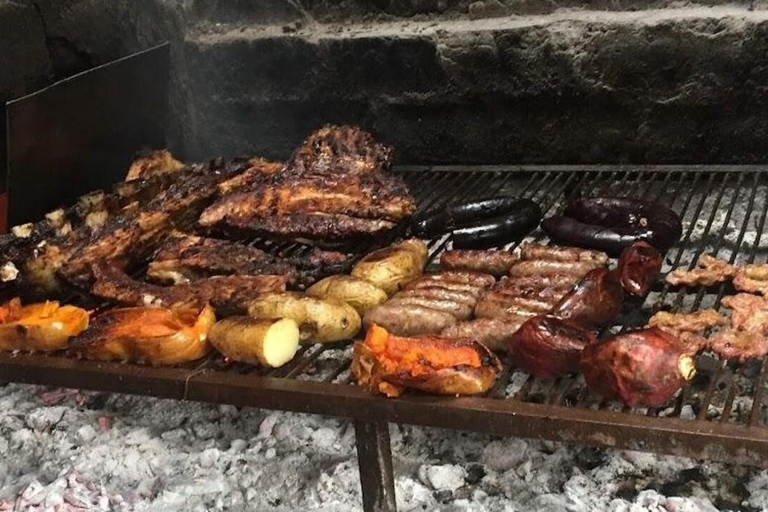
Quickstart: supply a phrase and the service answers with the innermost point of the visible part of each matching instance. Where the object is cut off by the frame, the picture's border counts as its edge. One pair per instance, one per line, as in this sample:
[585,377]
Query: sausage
[457,309]
[595,301]
[525,302]
[639,264]
[541,268]
[548,297]
[460,287]
[439,293]
[461,276]
[496,263]
[464,214]
[533,282]
[549,347]
[494,333]
[499,230]
[611,224]
[408,320]
[534,251]
[491,308]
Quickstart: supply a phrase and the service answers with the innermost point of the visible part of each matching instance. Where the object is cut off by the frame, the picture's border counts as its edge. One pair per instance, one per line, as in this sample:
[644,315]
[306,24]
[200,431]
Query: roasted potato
[156,336]
[320,321]
[388,364]
[393,266]
[39,327]
[359,294]
[271,343]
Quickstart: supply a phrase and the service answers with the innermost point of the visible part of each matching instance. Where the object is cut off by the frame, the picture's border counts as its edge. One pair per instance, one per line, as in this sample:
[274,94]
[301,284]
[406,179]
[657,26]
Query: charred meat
[709,271]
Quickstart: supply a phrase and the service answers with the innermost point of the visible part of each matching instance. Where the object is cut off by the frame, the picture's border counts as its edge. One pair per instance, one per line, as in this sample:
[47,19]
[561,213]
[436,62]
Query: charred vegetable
[359,294]
[320,321]
[640,368]
[594,302]
[156,336]
[271,343]
[388,364]
[393,266]
[611,224]
[639,264]
[549,347]
[39,327]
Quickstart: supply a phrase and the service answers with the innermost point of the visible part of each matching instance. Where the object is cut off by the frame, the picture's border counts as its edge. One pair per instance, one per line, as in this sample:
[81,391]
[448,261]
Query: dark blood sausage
[639,264]
[457,309]
[594,302]
[611,224]
[466,214]
[439,293]
[408,320]
[500,230]
[494,333]
[549,347]
[640,368]
[496,263]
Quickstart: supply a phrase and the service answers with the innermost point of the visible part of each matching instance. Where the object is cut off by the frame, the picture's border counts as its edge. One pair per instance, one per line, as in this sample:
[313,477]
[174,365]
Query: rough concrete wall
[443,80]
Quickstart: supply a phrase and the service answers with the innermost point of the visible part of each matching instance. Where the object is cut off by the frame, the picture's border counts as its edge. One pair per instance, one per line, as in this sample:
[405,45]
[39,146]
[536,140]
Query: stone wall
[447,81]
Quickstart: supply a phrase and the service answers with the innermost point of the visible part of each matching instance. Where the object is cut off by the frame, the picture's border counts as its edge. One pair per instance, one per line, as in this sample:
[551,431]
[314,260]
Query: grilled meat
[752,278]
[541,268]
[335,187]
[688,328]
[227,294]
[494,333]
[496,263]
[739,345]
[408,320]
[152,163]
[185,258]
[534,251]
[709,271]
[750,312]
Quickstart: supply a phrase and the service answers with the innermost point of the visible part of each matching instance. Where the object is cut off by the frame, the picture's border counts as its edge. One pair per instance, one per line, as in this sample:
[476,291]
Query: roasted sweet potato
[639,264]
[320,321]
[271,343]
[39,327]
[549,347]
[393,266]
[361,295]
[388,364]
[156,336]
[594,302]
[641,368]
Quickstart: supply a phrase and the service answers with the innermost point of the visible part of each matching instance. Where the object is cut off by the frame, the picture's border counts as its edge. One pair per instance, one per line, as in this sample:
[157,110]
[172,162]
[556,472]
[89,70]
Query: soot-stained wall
[444,81]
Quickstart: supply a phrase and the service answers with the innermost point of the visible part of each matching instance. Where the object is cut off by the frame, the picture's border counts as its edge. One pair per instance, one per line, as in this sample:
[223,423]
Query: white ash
[114,452]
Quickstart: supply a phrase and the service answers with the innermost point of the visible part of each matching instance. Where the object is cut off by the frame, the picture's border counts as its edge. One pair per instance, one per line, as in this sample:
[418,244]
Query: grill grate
[721,414]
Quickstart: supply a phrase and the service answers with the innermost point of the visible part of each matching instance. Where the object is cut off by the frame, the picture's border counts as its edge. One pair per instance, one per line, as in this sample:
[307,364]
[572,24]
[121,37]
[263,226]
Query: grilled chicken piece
[335,187]
[227,294]
[709,271]
[152,163]
[752,278]
[185,258]
[688,328]
[750,312]
[739,345]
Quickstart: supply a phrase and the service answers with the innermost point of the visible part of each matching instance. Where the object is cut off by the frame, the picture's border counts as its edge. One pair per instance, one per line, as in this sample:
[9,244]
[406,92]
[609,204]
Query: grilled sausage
[534,251]
[500,230]
[540,268]
[439,293]
[494,333]
[459,287]
[524,302]
[457,309]
[490,308]
[496,263]
[471,213]
[553,282]
[462,276]
[639,264]
[408,320]
[611,224]
[595,301]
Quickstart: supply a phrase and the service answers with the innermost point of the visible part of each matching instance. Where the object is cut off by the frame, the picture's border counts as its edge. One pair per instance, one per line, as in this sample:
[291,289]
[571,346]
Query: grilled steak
[227,294]
[335,187]
[185,258]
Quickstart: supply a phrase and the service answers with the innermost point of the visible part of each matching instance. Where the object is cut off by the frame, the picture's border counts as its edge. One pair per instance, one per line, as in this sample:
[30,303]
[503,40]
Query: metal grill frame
[555,409]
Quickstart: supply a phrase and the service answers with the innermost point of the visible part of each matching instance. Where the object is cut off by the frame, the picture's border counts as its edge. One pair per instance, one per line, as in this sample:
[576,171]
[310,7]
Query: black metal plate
[80,134]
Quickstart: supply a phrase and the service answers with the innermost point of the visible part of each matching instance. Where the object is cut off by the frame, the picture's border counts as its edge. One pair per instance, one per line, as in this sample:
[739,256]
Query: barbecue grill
[720,415]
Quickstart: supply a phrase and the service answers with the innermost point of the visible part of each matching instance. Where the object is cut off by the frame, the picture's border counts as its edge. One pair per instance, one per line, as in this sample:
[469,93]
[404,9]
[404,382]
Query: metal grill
[720,415]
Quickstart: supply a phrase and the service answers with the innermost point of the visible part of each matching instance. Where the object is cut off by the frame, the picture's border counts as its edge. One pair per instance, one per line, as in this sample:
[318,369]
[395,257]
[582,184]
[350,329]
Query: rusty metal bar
[374,459]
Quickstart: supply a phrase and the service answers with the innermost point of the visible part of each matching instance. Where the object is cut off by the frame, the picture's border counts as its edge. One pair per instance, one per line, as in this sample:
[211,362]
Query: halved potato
[270,343]
[359,294]
[157,336]
[39,327]
[320,321]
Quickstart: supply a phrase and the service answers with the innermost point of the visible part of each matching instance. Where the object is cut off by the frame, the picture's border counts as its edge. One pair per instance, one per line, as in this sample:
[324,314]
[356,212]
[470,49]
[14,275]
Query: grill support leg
[374,458]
